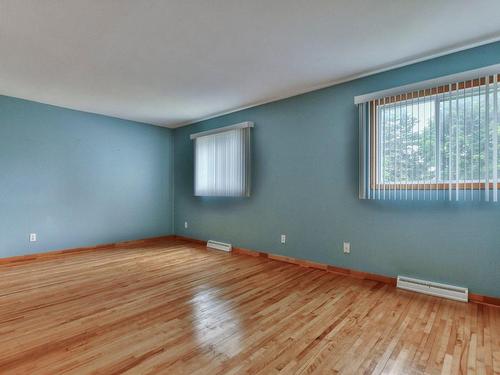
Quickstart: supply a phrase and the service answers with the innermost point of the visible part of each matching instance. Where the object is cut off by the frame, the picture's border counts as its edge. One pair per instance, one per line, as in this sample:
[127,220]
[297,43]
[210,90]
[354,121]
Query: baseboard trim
[113,245]
[474,298]
[190,239]
[484,300]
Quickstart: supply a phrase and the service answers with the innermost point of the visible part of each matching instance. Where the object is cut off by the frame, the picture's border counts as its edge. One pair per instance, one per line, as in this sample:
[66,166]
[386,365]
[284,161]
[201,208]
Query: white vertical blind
[433,143]
[222,161]
[495,139]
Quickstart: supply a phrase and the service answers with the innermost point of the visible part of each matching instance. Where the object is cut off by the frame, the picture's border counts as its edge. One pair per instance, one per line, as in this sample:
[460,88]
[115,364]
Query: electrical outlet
[347,247]
[32,237]
[185,225]
[283,238]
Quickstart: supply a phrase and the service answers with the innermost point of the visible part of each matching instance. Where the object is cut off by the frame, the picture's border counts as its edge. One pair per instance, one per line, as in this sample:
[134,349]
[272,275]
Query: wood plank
[172,307]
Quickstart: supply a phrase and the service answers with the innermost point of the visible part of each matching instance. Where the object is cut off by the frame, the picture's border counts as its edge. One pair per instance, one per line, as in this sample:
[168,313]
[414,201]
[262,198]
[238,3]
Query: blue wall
[79,179]
[305,185]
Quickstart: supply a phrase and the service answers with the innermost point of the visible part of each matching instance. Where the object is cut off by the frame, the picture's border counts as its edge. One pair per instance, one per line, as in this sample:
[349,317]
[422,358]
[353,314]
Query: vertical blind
[432,143]
[222,161]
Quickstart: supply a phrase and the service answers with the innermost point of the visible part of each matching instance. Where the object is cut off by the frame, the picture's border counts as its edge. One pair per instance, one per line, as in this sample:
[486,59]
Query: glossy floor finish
[175,308]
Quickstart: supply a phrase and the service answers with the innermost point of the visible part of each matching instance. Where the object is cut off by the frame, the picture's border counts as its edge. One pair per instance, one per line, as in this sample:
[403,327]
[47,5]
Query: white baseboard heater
[219,245]
[434,289]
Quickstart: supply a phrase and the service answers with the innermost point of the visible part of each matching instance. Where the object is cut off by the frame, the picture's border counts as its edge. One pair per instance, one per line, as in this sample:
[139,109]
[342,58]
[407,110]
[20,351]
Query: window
[439,142]
[222,161]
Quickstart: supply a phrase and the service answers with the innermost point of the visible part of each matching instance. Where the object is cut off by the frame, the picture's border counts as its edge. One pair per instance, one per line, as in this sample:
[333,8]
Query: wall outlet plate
[347,247]
[283,238]
[185,224]
[32,237]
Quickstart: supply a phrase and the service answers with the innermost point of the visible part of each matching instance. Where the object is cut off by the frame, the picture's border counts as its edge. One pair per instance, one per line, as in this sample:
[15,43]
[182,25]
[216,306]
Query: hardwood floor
[175,308]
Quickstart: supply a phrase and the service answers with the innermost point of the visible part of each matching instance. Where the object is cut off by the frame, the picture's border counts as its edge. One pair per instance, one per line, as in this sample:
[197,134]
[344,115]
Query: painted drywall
[305,160]
[79,179]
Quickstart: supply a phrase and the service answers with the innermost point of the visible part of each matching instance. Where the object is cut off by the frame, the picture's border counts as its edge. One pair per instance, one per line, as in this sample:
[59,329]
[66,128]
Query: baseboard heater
[434,289]
[219,245]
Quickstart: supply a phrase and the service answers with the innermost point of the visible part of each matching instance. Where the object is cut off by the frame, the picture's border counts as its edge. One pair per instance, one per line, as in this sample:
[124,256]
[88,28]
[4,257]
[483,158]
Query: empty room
[249,187]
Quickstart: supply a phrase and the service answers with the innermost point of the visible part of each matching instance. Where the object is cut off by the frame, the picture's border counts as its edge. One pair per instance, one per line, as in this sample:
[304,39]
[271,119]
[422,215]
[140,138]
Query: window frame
[423,93]
[245,154]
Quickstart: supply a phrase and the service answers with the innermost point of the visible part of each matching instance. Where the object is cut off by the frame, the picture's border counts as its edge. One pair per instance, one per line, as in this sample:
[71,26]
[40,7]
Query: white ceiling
[170,62]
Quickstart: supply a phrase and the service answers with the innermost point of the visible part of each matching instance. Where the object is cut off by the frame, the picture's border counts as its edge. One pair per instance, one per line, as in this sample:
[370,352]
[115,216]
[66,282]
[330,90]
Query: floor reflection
[216,323]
